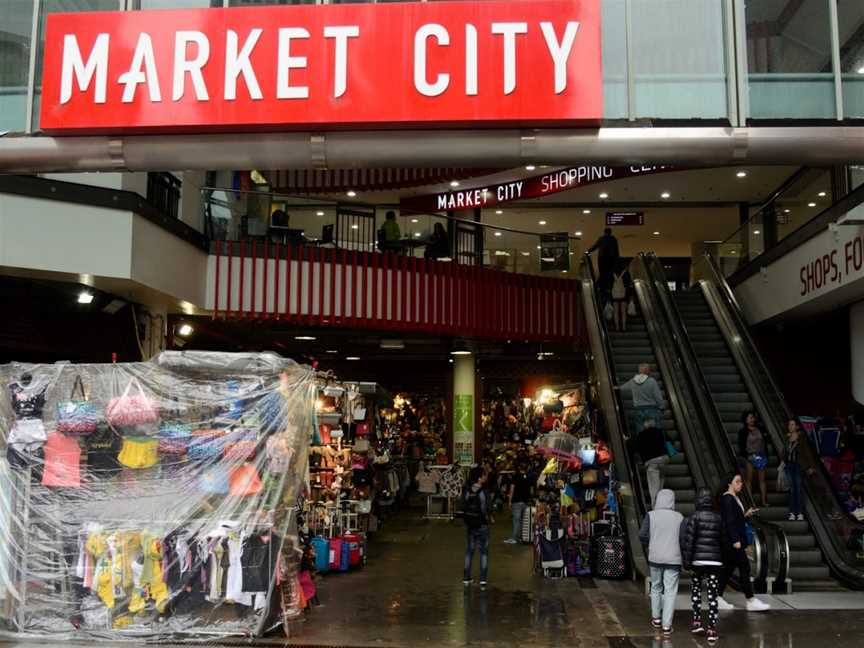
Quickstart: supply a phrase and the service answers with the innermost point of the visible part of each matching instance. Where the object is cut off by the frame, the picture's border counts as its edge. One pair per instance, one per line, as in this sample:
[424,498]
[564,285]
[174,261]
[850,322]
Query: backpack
[619,290]
[473,512]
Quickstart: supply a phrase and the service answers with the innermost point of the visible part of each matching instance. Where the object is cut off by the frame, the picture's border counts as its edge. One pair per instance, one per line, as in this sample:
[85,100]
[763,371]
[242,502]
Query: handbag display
[77,416]
[132,408]
[590,477]
[604,455]
[244,481]
[174,438]
[139,452]
[588,455]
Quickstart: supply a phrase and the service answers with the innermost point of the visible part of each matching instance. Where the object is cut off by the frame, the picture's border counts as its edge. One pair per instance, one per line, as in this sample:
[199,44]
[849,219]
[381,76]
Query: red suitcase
[335,553]
[355,556]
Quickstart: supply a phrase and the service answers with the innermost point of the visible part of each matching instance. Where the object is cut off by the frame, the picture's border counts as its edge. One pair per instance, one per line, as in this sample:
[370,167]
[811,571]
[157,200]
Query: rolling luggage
[355,554]
[528,525]
[345,556]
[322,554]
[609,555]
[335,553]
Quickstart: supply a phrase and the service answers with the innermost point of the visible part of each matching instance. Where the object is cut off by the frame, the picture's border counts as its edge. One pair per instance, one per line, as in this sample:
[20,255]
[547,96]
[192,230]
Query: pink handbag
[131,408]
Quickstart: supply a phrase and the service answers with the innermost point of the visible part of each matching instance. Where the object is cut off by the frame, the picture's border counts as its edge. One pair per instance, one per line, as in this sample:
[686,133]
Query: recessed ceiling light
[741,174]
[352,358]
[304,337]
[454,183]
[497,233]
[604,196]
[331,351]
[320,213]
[665,195]
[538,247]
[526,254]
[541,222]
[355,226]
[811,204]
[450,361]
[563,272]
[733,252]
[351,193]
[85,297]
[415,220]
[578,233]
[499,212]
[861,70]
[757,232]
[185,330]
[416,234]
[822,194]
[786,211]
[656,233]
[586,211]
[530,167]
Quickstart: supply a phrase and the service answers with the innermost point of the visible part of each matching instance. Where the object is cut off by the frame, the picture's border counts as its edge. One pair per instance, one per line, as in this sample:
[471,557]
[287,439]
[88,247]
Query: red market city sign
[457,64]
[535,187]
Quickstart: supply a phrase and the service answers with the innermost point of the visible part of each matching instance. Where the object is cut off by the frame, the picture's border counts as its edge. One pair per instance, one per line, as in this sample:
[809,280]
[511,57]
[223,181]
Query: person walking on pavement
[660,534]
[647,398]
[651,444]
[608,256]
[735,543]
[476,515]
[518,496]
[701,552]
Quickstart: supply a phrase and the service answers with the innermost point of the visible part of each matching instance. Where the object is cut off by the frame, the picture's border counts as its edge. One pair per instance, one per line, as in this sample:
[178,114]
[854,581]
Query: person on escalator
[660,535]
[701,552]
[647,398]
[622,293]
[793,470]
[651,445]
[751,446]
[734,544]
[608,256]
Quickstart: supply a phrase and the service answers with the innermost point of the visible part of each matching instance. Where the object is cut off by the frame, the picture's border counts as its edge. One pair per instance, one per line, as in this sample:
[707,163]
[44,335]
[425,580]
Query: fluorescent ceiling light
[712,242]
[393,344]
[304,337]
[460,352]
[351,193]
[530,167]
[352,358]
[741,174]
[331,351]
[185,330]
[85,297]
[502,253]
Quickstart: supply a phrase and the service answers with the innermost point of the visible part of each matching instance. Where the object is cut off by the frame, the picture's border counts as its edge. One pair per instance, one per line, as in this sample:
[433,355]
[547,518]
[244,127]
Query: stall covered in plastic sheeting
[152,499]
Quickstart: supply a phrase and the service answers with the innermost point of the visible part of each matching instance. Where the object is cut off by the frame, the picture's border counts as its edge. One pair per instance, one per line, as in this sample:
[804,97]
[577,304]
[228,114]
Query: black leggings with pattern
[710,576]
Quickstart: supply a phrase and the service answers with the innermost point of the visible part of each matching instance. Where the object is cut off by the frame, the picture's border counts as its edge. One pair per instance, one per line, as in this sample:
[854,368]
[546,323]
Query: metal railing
[772,553]
[163,192]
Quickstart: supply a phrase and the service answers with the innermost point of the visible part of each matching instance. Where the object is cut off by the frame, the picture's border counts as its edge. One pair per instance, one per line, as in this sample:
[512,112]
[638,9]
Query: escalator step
[809,573]
[805,558]
[678,483]
[807,541]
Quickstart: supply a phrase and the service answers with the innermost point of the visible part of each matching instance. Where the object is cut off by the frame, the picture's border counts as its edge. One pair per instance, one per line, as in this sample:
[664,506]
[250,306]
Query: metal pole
[835,57]
[31,73]
[628,49]
[731,66]
[743,84]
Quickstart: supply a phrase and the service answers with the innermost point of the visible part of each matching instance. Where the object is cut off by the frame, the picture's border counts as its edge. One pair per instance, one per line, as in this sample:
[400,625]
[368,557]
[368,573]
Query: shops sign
[494,63]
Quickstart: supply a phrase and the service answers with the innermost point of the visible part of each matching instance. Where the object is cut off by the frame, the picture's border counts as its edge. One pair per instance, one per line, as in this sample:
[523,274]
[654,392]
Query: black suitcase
[609,555]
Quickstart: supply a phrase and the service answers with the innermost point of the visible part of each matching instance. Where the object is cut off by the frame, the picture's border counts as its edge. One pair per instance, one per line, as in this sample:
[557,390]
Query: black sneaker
[713,636]
[697,628]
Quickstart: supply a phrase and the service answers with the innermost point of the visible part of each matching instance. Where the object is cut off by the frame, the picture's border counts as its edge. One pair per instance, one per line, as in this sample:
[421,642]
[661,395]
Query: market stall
[153,499]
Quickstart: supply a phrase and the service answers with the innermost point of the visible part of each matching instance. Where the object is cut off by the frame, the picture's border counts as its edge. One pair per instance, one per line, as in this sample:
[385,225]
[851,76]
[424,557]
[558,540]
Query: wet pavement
[411,594]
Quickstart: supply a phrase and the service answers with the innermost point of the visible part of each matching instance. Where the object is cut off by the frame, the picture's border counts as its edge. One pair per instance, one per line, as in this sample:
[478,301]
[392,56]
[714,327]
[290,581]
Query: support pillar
[856,347]
[464,408]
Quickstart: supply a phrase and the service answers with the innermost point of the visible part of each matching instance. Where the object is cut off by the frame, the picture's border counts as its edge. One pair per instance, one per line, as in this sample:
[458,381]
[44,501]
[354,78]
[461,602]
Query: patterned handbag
[132,408]
[77,416]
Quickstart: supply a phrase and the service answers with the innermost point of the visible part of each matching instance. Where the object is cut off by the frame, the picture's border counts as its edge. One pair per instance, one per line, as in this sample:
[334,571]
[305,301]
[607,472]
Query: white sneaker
[800,517]
[755,605]
[723,604]
[511,541]
[791,517]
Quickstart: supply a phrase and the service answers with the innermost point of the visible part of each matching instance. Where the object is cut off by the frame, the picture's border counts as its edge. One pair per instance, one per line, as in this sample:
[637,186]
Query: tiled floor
[411,594]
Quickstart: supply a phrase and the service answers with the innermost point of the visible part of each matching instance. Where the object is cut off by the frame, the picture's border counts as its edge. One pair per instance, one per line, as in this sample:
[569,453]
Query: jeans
[793,474]
[518,514]
[642,414]
[736,559]
[664,589]
[477,538]
[710,577]
[654,472]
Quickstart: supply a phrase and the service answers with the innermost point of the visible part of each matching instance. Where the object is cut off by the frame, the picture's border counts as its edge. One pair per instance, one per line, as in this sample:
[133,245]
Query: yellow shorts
[139,452]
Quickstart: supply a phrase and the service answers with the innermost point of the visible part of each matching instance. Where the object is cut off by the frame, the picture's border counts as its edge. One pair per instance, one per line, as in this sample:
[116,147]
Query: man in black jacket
[608,256]
[702,553]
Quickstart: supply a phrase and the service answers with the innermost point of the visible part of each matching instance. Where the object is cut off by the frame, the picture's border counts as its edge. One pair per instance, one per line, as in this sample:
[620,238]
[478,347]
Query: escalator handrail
[829,519]
[716,436]
[616,422]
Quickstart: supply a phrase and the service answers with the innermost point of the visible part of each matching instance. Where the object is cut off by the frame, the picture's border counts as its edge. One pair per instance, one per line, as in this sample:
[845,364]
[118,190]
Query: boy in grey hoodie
[647,398]
[660,536]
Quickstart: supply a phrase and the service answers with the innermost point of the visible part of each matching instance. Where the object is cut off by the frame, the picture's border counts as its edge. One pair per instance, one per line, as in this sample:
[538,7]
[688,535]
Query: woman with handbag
[752,446]
[622,293]
[734,544]
[793,470]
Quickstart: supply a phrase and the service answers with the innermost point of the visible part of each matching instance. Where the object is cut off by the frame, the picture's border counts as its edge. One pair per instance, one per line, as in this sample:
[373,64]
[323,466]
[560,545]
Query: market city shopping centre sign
[535,187]
[454,64]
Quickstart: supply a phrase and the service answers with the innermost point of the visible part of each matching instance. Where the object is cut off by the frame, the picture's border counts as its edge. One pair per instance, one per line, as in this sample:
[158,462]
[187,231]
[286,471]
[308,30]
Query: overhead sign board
[534,187]
[513,62]
[625,218]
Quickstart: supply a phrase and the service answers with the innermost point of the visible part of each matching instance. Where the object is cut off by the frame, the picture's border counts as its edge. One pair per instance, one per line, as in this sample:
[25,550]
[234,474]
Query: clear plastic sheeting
[152,499]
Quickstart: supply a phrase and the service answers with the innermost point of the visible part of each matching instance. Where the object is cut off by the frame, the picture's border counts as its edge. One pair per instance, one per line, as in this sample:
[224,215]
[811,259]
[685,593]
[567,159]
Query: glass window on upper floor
[614,39]
[61,6]
[679,59]
[789,59]
[850,18]
[16,25]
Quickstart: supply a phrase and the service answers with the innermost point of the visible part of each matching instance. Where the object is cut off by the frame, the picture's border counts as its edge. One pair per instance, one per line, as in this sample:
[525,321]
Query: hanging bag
[782,478]
[77,416]
[631,309]
[132,408]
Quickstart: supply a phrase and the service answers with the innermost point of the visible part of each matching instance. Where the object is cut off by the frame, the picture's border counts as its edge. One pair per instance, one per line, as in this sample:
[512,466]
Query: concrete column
[464,408]
[856,346]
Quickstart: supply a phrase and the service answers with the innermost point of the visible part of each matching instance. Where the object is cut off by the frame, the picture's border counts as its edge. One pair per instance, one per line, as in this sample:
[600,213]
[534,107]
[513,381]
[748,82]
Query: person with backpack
[475,506]
[660,534]
[735,542]
[622,293]
[701,552]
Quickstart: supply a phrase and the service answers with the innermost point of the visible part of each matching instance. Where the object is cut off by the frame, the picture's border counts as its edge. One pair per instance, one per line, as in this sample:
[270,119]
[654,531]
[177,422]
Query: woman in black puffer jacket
[702,553]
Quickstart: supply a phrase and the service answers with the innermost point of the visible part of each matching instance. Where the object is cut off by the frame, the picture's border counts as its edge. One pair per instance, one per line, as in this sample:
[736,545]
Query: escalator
[714,332]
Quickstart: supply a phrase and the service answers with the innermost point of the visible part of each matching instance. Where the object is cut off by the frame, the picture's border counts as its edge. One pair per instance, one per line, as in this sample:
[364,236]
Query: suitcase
[345,556]
[528,525]
[609,555]
[322,554]
[355,555]
[335,553]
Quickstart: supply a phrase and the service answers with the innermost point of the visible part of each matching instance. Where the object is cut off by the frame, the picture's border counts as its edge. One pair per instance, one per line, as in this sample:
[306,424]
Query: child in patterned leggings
[710,576]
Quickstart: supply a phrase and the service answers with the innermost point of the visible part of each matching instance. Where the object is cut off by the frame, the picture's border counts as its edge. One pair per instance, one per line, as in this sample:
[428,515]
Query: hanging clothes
[234,590]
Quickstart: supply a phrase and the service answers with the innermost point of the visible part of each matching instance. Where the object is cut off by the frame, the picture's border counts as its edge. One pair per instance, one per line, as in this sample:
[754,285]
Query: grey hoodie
[645,390]
[660,531]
